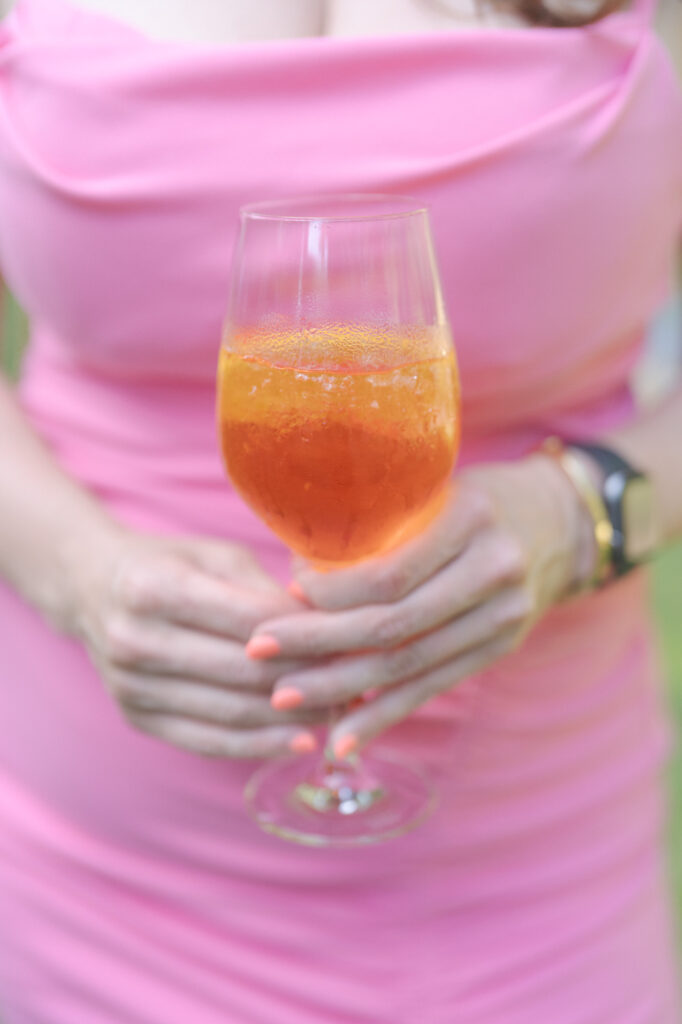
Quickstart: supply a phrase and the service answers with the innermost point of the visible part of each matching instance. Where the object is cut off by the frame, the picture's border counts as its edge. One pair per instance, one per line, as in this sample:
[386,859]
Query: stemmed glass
[338,418]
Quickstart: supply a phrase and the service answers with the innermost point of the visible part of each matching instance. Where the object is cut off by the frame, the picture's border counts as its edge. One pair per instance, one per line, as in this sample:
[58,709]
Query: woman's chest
[235,21]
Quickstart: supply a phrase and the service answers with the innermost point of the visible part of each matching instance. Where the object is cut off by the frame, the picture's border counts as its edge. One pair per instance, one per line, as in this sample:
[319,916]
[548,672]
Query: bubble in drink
[340,459]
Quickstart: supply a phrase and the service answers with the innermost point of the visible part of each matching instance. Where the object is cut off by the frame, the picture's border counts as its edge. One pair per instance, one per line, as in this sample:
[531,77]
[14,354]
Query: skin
[512,541]
[165,620]
[234,21]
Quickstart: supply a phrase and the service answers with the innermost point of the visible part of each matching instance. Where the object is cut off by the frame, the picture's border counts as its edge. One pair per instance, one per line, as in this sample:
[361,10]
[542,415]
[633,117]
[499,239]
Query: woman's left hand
[510,541]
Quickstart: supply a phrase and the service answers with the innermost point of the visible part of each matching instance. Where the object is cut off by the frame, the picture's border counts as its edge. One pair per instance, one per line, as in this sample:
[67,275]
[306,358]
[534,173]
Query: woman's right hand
[165,621]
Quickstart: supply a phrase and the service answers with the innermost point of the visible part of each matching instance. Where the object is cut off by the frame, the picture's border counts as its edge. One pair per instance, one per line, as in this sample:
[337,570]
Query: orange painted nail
[303,743]
[296,590]
[286,698]
[261,647]
[345,746]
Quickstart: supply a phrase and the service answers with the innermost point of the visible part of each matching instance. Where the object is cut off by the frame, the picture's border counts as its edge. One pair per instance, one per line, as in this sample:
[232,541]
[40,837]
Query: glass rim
[302,208]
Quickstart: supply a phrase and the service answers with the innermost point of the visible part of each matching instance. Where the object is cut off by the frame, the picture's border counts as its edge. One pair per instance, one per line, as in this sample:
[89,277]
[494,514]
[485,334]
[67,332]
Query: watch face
[638,519]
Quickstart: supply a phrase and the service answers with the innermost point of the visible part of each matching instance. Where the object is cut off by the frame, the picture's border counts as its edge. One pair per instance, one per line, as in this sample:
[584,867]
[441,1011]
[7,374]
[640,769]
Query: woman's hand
[511,540]
[165,622]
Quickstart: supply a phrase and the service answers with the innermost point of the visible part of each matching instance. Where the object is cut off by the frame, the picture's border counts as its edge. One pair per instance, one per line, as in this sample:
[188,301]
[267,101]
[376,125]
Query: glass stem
[330,761]
[348,765]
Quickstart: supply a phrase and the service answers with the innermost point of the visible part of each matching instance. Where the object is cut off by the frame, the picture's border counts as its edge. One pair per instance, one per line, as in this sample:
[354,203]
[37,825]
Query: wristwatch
[619,498]
[627,494]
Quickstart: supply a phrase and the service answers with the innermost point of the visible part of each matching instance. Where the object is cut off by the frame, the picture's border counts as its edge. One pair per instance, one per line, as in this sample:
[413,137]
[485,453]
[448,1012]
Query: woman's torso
[552,162]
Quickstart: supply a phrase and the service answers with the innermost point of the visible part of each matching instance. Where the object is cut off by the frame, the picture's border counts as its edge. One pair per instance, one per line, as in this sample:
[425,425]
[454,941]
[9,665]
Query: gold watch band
[574,469]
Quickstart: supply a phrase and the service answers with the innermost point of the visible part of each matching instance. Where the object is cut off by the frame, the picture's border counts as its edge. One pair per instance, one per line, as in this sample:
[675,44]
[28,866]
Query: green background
[666,596]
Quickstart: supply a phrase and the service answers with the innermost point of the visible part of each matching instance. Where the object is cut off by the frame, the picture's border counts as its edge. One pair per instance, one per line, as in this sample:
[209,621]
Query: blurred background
[660,368]
[658,372]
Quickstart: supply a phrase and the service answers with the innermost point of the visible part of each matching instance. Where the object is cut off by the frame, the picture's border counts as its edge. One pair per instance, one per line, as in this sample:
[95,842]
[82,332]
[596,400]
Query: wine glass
[338,418]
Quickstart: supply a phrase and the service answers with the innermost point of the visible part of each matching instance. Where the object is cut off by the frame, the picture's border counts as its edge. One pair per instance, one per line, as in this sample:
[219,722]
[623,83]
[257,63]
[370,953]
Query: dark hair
[560,13]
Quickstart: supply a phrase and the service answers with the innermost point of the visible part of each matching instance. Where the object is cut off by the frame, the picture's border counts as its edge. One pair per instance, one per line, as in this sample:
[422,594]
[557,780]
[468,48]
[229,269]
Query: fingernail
[296,590]
[286,698]
[345,745]
[260,647]
[303,743]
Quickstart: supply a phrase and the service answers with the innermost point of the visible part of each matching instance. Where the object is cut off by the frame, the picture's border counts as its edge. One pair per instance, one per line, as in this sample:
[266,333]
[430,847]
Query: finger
[189,699]
[391,576]
[348,677]
[160,648]
[217,741]
[229,562]
[392,706]
[490,563]
[178,592]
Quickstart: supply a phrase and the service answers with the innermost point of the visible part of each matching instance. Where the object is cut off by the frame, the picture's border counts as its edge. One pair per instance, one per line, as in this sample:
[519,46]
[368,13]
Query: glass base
[306,800]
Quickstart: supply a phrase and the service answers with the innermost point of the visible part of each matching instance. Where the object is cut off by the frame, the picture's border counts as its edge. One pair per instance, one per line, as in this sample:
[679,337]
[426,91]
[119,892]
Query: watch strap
[617,472]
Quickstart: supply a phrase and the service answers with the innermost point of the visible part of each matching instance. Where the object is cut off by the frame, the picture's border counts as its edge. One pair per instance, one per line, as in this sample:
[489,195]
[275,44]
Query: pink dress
[133,888]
